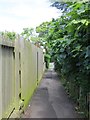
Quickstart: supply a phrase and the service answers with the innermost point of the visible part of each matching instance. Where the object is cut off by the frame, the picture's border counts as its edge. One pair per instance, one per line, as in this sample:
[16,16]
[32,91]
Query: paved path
[50,100]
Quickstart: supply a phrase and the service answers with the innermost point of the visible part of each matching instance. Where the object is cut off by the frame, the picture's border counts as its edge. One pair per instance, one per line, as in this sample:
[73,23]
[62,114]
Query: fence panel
[0,82]
[40,64]
[21,68]
[7,78]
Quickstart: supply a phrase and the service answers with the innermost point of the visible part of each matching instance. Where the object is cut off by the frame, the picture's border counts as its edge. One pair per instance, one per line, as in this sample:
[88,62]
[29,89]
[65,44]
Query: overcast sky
[18,14]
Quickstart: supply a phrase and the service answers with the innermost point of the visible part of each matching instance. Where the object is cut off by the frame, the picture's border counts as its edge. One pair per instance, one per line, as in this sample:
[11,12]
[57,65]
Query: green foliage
[47,60]
[8,35]
[27,33]
[30,35]
[68,39]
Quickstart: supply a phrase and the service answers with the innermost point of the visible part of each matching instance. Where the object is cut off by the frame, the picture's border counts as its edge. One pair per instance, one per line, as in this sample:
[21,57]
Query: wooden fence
[21,69]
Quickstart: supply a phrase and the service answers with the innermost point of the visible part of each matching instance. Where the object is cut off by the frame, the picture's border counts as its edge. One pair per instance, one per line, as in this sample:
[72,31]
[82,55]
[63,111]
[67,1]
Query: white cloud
[17,14]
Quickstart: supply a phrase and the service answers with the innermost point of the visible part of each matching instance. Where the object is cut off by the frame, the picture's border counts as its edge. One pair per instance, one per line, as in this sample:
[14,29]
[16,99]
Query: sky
[18,14]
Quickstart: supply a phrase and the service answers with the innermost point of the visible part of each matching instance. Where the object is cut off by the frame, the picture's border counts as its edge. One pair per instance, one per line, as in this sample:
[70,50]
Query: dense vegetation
[67,42]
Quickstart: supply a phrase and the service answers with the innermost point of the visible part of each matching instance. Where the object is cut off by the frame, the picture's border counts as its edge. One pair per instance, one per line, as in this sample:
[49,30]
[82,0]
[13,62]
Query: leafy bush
[69,45]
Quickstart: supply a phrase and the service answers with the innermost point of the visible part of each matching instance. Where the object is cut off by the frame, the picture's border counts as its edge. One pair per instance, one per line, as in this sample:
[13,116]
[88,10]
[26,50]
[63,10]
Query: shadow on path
[50,100]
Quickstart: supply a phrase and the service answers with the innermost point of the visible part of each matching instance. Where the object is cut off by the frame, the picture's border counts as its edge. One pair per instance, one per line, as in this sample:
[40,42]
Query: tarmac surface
[50,100]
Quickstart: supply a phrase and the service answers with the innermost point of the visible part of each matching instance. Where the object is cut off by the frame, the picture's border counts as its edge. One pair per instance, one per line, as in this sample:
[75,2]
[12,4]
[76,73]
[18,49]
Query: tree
[27,33]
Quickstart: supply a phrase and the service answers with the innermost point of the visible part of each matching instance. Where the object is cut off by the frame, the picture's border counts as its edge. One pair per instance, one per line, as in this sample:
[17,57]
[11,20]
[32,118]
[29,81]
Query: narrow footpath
[50,100]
